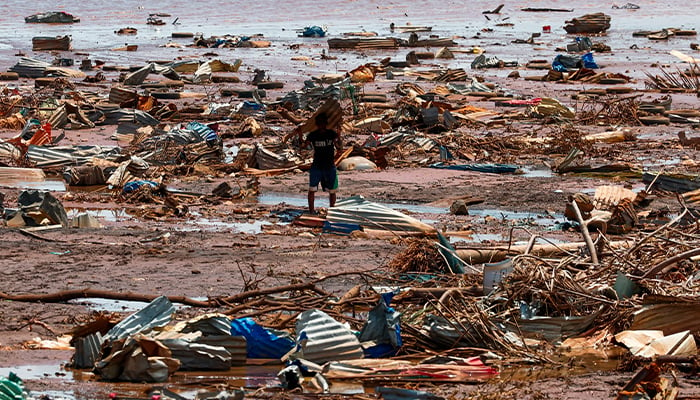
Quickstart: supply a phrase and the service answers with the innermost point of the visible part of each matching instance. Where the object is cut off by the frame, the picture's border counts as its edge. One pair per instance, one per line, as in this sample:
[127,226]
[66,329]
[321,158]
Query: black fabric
[324,147]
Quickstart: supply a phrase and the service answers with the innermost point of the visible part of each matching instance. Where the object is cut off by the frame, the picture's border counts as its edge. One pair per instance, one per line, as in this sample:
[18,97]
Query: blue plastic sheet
[340,228]
[206,133]
[565,62]
[262,343]
[588,61]
[490,168]
[313,31]
[136,185]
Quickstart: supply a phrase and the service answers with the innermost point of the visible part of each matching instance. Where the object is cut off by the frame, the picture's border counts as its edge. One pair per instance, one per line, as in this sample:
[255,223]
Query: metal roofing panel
[324,339]
[359,211]
[198,356]
[236,346]
[87,350]
[156,313]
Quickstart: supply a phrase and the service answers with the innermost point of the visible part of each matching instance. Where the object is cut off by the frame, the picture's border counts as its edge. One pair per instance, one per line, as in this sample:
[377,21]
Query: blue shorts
[328,178]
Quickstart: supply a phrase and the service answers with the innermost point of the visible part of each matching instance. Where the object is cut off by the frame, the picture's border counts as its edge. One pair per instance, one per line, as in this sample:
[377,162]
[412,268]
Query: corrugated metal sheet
[608,197]
[555,328]
[157,313]
[122,115]
[30,68]
[44,157]
[208,324]
[324,339]
[363,43]
[332,110]
[59,117]
[670,318]
[87,350]
[40,43]
[137,77]
[236,346]
[119,95]
[425,143]
[357,210]
[267,159]
[197,356]
[8,150]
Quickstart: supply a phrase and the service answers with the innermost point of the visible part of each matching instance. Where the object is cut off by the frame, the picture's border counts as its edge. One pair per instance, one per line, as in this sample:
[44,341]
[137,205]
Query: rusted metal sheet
[668,317]
[608,197]
[28,178]
[119,95]
[44,157]
[40,43]
[267,159]
[363,43]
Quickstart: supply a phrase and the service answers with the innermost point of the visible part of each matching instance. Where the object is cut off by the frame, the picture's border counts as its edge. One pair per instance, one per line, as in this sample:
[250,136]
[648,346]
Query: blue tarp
[490,168]
[313,31]
[135,185]
[565,62]
[262,343]
[204,132]
[340,228]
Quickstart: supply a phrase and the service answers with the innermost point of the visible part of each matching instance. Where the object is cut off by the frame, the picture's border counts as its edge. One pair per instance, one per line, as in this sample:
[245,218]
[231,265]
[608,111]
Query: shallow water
[278,21]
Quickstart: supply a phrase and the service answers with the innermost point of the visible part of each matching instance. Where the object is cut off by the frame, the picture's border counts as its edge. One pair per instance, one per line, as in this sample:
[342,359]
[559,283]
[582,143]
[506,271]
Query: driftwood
[660,267]
[480,256]
[63,296]
[584,230]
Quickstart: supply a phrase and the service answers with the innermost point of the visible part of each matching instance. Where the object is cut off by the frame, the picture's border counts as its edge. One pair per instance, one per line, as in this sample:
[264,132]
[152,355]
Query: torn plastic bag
[588,61]
[383,327]
[262,343]
[565,62]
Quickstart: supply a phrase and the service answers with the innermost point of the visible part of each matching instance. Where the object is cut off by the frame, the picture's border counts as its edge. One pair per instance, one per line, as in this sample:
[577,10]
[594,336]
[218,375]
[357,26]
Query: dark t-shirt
[324,147]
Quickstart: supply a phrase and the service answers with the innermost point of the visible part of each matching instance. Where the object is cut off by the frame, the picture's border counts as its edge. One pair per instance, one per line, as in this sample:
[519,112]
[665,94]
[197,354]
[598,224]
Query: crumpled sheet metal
[198,356]
[139,76]
[87,351]
[156,314]
[137,359]
[320,338]
[357,210]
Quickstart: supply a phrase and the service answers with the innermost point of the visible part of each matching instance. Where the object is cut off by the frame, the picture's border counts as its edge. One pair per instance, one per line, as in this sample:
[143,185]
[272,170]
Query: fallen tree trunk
[66,295]
[496,254]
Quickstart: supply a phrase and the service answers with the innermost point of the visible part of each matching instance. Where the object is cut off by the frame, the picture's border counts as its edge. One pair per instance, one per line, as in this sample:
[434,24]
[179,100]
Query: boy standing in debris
[325,142]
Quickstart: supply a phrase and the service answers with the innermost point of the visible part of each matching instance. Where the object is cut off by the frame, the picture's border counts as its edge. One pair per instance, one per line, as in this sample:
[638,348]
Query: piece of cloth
[323,143]
[327,177]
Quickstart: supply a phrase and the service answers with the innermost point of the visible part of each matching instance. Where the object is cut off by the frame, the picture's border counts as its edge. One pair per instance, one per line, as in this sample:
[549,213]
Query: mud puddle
[534,172]
[527,218]
[322,201]
[110,305]
[252,227]
[52,185]
[103,214]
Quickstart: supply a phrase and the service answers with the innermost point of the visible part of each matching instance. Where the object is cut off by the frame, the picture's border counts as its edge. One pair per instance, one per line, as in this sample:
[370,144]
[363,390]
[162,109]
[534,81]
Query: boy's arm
[338,142]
